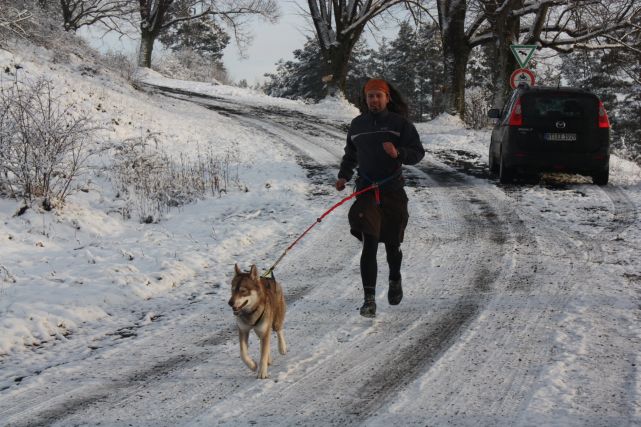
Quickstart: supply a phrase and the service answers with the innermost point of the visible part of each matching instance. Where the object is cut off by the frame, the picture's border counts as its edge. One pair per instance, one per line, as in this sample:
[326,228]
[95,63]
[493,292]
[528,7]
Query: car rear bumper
[581,163]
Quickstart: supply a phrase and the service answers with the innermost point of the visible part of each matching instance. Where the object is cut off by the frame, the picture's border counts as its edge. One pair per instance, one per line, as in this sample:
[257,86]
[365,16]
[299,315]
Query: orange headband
[377,84]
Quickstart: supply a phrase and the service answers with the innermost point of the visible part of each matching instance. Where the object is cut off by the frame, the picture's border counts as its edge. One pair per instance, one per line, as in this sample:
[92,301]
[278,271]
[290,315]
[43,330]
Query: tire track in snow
[608,239]
[313,125]
[438,336]
[527,323]
[625,213]
[560,276]
[502,388]
[550,271]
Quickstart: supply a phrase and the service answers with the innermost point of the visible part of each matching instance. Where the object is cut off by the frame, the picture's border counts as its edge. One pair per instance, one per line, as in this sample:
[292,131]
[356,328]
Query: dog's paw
[282,345]
[251,365]
[262,374]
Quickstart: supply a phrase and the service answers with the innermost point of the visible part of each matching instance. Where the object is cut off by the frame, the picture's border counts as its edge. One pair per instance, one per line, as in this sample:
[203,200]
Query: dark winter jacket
[364,149]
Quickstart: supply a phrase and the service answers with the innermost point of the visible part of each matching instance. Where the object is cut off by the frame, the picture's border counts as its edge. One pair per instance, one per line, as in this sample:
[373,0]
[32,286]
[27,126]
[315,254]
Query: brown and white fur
[258,304]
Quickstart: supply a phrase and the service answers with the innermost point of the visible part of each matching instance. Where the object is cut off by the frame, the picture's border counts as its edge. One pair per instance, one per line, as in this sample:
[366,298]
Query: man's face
[377,100]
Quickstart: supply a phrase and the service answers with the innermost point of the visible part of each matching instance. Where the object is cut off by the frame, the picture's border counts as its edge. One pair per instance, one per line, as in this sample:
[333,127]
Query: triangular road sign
[523,53]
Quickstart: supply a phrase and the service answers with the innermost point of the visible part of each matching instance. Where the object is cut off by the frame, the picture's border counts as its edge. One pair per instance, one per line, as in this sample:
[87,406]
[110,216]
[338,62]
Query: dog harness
[259,317]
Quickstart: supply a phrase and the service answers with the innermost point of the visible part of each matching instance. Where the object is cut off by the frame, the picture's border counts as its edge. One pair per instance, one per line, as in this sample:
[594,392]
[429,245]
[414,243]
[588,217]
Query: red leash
[269,273]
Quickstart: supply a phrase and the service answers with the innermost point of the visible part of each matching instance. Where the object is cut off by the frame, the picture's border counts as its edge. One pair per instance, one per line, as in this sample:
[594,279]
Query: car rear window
[557,106]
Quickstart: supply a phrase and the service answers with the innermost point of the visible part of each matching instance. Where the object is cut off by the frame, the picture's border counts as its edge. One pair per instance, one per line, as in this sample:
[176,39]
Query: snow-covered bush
[188,65]
[627,148]
[13,22]
[122,64]
[477,104]
[35,20]
[43,143]
[150,182]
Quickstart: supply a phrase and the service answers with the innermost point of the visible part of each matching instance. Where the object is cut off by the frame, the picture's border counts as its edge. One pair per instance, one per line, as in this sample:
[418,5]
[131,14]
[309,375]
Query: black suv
[551,129]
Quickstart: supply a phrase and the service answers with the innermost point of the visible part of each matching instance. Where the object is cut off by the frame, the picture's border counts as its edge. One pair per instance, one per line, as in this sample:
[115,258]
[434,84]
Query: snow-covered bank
[329,108]
[83,266]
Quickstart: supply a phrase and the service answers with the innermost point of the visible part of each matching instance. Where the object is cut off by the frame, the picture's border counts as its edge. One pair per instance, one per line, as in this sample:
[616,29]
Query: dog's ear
[253,274]
[237,269]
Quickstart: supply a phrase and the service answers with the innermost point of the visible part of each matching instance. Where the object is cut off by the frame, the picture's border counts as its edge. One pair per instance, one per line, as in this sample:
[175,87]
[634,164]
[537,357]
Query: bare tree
[573,25]
[78,13]
[154,18]
[339,25]
[505,28]
[630,40]
[566,25]
[12,21]
[562,25]
[452,16]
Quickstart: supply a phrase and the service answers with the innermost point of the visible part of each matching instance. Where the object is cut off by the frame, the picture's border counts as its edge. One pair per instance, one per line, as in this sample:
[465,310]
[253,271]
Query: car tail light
[516,118]
[604,123]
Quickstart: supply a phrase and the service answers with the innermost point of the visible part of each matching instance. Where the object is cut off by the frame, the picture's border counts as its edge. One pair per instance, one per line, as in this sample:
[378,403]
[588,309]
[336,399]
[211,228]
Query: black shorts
[386,221]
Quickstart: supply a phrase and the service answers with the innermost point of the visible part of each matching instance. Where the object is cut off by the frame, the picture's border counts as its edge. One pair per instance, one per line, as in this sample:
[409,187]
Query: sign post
[523,53]
[522,75]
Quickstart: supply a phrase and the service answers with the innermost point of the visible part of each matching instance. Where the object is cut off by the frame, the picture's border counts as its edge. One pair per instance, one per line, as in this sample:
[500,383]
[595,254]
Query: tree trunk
[456,56]
[456,98]
[337,60]
[506,29]
[505,65]
[456,53]
[66,15]
[147,40]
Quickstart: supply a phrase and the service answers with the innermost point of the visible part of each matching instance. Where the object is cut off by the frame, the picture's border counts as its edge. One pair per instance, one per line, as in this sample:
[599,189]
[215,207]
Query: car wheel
[601,177]
[494,168]
[506,175]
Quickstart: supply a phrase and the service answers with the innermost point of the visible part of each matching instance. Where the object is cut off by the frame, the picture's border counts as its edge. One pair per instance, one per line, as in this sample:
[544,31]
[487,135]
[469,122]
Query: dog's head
[246,290]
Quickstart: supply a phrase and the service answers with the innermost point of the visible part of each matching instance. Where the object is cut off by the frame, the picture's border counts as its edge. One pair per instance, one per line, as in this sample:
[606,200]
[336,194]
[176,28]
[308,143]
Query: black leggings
[369,267]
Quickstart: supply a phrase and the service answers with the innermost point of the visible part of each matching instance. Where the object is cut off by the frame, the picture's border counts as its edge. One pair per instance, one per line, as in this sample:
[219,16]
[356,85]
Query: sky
[271,42]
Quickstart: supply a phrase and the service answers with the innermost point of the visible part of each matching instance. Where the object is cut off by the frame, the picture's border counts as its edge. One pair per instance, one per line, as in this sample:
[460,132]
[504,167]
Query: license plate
[559,136]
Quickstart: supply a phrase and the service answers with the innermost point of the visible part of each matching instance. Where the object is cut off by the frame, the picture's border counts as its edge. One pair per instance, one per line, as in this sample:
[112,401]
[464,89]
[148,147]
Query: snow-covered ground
[521,307]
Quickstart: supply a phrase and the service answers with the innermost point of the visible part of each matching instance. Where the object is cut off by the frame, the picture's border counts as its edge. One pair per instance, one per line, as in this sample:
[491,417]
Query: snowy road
[521,308]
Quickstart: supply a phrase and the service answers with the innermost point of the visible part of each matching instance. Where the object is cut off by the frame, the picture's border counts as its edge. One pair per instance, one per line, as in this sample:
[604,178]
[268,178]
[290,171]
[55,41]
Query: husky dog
[258,304]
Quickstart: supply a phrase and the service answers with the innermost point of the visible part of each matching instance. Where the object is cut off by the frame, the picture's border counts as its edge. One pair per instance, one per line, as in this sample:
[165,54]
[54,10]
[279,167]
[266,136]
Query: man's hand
[390,150]
[340,184]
